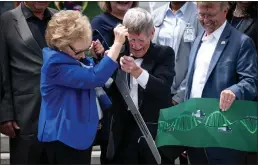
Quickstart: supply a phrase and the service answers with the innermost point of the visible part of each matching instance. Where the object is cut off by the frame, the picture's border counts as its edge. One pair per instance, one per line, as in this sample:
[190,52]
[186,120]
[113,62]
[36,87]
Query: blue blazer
[233,66]
[68,109]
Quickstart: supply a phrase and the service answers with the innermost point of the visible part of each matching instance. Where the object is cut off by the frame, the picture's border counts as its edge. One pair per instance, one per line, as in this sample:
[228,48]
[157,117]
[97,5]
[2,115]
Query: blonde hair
[66,27]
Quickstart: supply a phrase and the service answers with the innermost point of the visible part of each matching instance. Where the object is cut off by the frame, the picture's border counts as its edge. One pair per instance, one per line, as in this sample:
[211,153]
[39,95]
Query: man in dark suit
[1,87]
[22,32]
[151,71]
[222,65]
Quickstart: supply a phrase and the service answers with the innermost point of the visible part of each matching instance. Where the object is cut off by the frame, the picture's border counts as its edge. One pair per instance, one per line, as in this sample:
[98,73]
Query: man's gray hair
[138,20]
[223,4]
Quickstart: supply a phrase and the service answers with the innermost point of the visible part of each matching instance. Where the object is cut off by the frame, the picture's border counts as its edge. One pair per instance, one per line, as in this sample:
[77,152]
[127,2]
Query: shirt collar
[182,9]
[216,34]
[28,13]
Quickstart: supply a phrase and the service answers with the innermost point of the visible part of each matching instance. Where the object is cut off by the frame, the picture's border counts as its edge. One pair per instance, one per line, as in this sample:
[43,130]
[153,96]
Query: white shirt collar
[216,34]
[182,9]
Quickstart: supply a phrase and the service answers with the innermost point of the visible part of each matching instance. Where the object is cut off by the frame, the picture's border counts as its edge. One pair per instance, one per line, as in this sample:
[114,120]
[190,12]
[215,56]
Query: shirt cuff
[142,80]
[109,83]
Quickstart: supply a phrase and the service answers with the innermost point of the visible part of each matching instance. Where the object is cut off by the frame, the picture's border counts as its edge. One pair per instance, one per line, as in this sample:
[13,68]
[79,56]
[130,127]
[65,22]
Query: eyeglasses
[202,16]
[138,40]
[86,51]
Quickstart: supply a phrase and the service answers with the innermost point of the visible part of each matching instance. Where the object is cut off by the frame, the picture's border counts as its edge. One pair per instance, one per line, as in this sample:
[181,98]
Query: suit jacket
[233,66]
[69,111]
[158,61]
[21,61]
[249,26]
[182,55]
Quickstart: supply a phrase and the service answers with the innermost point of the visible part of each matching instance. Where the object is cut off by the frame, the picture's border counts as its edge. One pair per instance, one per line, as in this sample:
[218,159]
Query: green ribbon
[200,123]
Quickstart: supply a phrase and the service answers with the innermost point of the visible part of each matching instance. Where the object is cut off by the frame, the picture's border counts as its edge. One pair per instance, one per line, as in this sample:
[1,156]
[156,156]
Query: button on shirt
[37,26]
[203,60]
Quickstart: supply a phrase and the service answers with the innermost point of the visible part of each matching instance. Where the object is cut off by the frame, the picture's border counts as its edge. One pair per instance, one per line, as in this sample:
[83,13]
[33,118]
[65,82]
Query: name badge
[189,34]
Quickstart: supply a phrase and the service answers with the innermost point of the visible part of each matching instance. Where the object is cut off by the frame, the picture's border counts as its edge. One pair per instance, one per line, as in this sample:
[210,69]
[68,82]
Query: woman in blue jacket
[70,109]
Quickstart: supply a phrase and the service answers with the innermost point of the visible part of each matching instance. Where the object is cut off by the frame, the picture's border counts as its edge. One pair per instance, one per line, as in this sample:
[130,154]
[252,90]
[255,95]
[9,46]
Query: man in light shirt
[176,25]
[222,65]
[151,5]
[172,23]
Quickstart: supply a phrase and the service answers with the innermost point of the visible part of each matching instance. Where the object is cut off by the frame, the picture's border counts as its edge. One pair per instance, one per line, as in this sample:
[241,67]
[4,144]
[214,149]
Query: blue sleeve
[75,76]
[246,69]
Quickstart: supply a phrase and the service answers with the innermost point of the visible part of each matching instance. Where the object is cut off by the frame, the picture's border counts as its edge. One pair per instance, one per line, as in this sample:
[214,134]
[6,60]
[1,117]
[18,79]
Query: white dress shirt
[142,80]
[203,59]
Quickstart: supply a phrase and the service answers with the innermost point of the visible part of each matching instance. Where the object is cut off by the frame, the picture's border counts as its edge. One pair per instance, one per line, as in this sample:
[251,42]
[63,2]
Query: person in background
[102,26]
[6,5]
[71,5]
[151,5]
[113,14]
[150,69]
[70,83]
[177,25]
[243,16]
[22,32]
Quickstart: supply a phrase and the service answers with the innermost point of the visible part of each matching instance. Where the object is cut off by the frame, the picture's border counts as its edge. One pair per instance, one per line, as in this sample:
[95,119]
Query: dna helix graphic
[187,122]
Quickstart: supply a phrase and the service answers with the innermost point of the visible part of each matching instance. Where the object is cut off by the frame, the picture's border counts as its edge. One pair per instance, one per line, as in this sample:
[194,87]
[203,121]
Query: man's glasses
[138,40]
[202,16]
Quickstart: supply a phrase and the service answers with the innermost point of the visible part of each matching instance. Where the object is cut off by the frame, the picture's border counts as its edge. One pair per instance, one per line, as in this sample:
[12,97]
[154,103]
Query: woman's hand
[96,48]
[120,33]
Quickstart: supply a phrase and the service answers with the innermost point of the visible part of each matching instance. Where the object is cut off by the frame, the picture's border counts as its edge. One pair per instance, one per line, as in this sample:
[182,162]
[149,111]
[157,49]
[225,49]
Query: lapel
[245,24]
[159,17]
[147,64]
[222,43]
[188,15]
[23,29]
